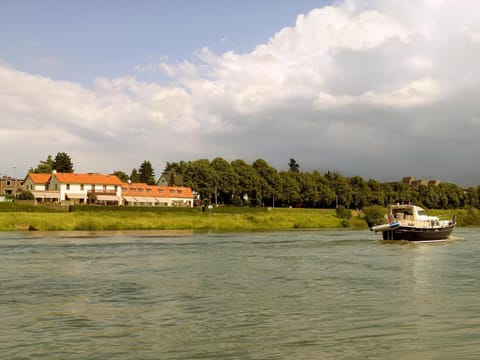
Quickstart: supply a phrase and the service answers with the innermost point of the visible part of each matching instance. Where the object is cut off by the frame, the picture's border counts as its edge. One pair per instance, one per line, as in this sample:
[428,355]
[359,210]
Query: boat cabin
[412,215]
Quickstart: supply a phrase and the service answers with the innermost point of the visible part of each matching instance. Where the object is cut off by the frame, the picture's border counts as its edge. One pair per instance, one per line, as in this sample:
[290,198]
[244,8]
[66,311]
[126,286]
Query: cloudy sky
[377,88]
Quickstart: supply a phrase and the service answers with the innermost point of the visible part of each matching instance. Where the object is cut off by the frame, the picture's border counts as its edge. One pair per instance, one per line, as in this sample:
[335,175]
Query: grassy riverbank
[219,219]
[22,217]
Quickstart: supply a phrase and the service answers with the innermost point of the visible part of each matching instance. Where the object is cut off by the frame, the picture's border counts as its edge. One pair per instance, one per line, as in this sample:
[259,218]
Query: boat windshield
[422,212]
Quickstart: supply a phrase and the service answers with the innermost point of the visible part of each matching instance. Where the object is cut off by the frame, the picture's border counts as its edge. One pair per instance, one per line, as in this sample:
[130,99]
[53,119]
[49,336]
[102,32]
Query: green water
[288,295]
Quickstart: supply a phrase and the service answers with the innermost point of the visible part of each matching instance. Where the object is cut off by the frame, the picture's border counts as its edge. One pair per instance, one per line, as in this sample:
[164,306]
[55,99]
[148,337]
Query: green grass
[219,219]
[19,216]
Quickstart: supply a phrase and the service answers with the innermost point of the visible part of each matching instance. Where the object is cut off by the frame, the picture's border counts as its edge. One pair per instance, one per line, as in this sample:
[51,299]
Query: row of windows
[93,187]
[82,187]
[141,190]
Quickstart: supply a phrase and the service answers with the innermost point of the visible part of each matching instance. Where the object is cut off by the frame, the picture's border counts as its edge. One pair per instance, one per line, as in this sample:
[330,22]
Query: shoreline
[105,219]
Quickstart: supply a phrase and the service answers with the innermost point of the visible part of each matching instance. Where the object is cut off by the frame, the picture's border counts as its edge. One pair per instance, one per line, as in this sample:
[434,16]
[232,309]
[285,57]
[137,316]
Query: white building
[37,185]
[86,188]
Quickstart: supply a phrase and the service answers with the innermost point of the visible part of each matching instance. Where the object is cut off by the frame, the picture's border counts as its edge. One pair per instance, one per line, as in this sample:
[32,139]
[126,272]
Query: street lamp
[15,182]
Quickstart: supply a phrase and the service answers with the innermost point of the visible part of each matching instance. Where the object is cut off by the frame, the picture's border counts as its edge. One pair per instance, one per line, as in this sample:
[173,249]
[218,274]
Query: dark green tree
[309,194]
[202,178]
[177,168]
[289,189]
[63,163]
[227,180]
[377,193]
[25,195]
[341,188]
[326,193]
[249,181]
[360,192]
[134,176]
[146,173]
[45,166]
[270,181]
[293,166]
[121,175]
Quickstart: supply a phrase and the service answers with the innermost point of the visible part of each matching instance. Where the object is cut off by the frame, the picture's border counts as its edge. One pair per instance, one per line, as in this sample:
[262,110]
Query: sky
[381,89]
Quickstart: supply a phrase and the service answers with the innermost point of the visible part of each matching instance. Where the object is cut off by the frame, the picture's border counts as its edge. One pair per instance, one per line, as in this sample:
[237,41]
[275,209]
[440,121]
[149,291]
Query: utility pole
[15,182]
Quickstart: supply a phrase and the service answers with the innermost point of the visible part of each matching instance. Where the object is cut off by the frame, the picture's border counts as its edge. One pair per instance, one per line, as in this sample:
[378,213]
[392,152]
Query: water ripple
[292,295]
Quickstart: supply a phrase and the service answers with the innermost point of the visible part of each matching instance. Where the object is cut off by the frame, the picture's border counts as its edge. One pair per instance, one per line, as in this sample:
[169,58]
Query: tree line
[260,184]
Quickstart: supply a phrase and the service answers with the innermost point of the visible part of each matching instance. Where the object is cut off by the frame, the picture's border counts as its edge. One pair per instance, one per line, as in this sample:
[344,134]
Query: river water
[327,294]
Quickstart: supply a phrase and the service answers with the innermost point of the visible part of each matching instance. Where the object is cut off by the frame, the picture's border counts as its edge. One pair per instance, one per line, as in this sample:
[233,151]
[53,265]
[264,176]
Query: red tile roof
[141,189]
[71,178]
[39,178]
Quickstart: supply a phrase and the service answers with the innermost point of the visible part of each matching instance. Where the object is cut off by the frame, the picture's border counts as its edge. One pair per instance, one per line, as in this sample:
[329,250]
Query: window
[81,187]
[68,186]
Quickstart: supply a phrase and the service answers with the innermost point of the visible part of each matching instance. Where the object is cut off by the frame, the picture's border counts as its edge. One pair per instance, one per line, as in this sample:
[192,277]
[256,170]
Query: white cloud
[344,86]
[472,34]
[415,93]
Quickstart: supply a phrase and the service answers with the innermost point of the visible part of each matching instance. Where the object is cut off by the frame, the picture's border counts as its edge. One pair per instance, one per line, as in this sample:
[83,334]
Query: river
[326,294]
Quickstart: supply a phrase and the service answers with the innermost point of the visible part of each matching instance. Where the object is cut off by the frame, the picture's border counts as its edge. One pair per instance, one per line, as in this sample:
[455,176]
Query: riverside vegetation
[13,217]
[93,218]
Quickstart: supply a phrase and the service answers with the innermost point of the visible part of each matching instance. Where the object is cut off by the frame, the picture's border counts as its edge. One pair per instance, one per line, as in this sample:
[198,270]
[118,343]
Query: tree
[45,166]
[178,168]
[270,180]
[121,175]
[202,178]
[377,192]
[134,177]
[248,183]
[361,194]
[326,193]
[289,188]
[25,195]
[63,163]
[309,194]
[146,173]
[227,180]
[293,166]
[341,187]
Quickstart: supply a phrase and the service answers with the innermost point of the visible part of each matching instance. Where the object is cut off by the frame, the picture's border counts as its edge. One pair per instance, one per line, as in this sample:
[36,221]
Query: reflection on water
[290,295]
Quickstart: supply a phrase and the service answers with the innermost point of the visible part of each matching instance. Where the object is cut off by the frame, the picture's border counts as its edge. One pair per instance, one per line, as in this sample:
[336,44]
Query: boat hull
[418,234]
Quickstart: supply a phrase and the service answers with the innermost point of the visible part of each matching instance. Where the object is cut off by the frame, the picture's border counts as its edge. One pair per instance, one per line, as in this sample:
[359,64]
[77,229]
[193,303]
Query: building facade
[37,184]
[139,194]
[10,186]
[71,188]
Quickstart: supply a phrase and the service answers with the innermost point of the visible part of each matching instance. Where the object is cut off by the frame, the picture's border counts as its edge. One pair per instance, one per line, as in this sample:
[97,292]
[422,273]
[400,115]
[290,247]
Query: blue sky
[81,40]
[376,88]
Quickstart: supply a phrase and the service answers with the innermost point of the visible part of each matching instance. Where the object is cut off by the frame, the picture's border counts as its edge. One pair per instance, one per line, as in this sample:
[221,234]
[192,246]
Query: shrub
[343,213]
[374,215]
[25,195]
